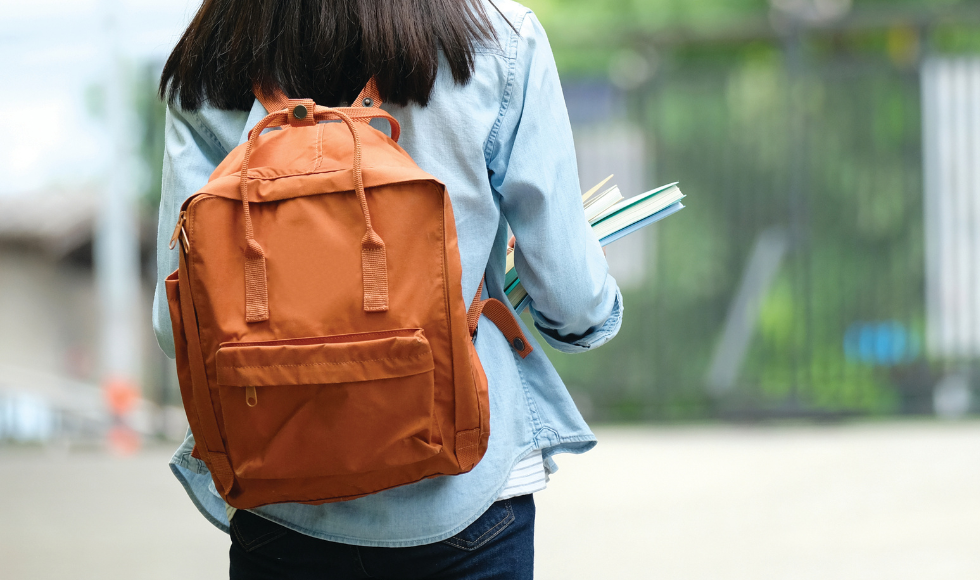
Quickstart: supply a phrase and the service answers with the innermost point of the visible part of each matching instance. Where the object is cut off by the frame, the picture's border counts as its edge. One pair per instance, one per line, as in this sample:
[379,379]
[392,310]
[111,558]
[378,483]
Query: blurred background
[801,344]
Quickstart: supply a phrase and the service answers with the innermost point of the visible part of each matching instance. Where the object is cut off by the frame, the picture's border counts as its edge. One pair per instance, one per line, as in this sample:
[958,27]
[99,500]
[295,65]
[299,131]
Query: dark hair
[326,50]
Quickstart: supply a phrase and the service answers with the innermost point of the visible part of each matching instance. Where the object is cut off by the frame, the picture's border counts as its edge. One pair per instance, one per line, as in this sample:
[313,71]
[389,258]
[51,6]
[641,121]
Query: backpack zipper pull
[179,233]
[251,399]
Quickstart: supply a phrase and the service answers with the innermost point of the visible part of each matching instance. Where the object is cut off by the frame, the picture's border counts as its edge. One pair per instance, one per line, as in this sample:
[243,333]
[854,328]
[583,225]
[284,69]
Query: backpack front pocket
[325,406]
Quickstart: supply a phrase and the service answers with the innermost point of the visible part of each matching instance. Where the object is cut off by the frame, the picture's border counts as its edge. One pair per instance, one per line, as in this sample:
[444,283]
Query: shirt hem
[176,466]
[576,445]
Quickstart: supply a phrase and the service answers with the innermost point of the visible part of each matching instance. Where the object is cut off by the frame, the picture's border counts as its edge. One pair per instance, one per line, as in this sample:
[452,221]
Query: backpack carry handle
[374,265]
[366,106]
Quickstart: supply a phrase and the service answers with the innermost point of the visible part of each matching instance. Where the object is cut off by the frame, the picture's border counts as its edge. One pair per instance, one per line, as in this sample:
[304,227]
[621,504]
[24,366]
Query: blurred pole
[798,212]
[757,279]
[116,252]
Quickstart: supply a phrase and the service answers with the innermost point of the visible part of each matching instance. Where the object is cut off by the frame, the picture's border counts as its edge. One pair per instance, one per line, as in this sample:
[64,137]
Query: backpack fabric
[324,348]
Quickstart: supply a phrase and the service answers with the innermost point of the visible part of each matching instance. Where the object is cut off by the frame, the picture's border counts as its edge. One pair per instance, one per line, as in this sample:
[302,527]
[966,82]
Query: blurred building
[49,322]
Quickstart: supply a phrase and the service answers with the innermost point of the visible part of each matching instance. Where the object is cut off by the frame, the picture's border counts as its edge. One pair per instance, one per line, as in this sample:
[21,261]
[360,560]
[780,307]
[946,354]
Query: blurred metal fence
[828,262]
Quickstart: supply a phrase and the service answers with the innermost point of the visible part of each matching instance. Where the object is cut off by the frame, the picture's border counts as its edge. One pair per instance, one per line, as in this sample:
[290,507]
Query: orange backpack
[324,349]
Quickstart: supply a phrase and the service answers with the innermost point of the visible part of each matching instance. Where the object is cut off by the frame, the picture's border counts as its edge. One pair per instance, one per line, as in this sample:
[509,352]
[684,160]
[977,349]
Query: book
[588,194]
[599,204]
[656,217]
[635,209]
[611,218]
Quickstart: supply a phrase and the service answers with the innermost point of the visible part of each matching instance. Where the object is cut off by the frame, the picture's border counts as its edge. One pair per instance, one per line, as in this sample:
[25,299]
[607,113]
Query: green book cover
[628,203]
[510,278]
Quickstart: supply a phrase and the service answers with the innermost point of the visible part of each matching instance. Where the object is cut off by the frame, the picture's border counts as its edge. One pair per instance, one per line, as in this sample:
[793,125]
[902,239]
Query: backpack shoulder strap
[369,98]
[501,317]
[276,101]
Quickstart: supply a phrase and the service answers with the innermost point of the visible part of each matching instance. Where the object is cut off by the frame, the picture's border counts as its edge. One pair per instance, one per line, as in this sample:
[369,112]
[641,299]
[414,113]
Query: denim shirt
[502,144]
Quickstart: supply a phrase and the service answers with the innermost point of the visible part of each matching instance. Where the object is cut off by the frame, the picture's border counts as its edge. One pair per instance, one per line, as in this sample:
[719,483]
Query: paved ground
[892,501]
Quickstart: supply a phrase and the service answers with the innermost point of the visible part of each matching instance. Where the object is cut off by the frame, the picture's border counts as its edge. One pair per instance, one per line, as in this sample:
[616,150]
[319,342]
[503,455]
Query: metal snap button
[300,112]
[518,344]
[368,101]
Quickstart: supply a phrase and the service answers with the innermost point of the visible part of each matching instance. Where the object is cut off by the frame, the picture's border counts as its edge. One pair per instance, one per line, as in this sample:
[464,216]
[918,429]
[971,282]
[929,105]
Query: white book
[611,218]
[598,204]
[634,209]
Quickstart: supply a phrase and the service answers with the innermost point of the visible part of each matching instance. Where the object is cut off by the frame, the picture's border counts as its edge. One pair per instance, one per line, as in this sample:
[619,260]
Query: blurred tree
[151,114]
[586,35]
[825,141]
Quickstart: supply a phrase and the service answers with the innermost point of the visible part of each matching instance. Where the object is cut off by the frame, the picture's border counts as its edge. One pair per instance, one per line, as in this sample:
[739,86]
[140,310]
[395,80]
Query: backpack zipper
[179,233]
[334,339]
[251,394]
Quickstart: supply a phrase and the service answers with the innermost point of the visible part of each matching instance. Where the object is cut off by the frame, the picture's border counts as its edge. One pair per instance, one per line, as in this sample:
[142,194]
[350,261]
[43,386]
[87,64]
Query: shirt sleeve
[191,153]
[575,303]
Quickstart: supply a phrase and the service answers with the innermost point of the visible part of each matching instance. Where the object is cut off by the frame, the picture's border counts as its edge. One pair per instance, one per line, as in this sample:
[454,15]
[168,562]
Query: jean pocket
[487,527]
[252,532]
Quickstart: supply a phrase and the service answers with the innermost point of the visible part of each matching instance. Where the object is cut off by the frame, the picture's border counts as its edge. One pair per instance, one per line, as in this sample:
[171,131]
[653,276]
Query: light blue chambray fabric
[502,144]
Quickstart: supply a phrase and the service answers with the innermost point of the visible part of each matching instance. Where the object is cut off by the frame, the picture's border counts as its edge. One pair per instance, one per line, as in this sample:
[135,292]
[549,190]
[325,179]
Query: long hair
[322,49]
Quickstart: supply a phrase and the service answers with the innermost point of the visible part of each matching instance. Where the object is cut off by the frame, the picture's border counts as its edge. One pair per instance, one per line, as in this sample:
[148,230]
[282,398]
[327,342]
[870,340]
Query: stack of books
[611,218]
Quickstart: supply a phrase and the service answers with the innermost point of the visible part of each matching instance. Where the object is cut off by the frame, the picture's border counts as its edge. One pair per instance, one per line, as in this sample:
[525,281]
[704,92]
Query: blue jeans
[498,545]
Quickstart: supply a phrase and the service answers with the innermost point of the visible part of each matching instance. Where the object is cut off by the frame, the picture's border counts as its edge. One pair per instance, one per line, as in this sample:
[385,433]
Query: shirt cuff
[594,338]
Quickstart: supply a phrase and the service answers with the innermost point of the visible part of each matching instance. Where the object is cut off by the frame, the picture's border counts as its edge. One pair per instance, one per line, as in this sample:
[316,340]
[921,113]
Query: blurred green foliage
[586,34]
[821,139]
[151,119]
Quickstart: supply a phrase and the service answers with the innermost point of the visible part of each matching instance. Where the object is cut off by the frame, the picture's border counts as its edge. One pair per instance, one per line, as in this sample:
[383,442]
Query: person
[474,85]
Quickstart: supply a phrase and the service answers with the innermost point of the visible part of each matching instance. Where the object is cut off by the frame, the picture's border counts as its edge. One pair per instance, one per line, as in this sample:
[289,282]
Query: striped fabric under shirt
[528,476]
